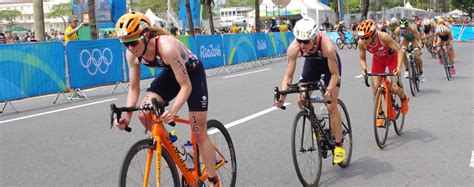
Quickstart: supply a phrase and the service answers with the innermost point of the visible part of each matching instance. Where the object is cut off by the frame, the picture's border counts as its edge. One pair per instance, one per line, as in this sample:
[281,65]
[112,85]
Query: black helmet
[403,23]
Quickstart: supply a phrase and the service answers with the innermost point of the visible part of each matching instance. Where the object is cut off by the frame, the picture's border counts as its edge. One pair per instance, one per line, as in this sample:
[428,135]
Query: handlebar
[301,88]
[155,106]
[366,78]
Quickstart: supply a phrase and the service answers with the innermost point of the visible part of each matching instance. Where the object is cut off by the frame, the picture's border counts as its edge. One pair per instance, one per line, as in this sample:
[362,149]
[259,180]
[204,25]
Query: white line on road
[59,110]
[472,160]
[237,122]
[247,73]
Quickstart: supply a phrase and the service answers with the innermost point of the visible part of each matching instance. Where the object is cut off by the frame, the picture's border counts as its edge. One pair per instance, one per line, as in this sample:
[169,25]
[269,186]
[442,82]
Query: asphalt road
[70,144]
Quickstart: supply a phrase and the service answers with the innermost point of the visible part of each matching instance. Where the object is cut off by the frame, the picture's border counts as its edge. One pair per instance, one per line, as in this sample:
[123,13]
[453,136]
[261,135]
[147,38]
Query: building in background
[233,15]
[26,19]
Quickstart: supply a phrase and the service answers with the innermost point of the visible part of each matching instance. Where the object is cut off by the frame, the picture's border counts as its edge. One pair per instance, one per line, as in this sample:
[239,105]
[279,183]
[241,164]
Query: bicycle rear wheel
[399,117]
[306,150]
[346,132]
[133,167]
[348,43]
[447,68]
[381,107]
[221,138]
[339,43]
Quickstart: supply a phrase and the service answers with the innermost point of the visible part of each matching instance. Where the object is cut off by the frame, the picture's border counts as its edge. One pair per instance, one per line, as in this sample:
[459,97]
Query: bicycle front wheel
[447,68]
[380,113]
[412,77]
[346,132]
[399,117]
[349,43]
[132,172]
[306,150]
[223,143]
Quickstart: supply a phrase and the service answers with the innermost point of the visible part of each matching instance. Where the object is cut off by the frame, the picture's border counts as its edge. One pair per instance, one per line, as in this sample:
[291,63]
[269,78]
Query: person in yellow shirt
[234,29]
[71,31]
[283,27]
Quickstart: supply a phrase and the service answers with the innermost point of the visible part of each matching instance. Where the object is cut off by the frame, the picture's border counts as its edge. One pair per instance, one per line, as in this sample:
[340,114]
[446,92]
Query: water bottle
[189,154]
[173,135]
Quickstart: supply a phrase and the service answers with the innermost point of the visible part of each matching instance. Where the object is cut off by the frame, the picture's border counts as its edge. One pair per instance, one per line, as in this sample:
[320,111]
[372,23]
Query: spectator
[283,27]
[3,39]
[273,25]
[71,31]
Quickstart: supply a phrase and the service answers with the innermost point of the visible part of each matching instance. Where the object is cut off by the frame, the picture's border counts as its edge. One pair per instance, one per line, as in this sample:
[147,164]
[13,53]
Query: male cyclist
[320,58]
[409,33]
[183,77]
[391,27]
[386,53]
[444,36]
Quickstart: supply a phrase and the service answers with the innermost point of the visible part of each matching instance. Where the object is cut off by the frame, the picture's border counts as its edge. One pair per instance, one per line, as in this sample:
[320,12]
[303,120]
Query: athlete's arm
[332,63]
[387,41]
[362,61]
[171,54]
[292,55]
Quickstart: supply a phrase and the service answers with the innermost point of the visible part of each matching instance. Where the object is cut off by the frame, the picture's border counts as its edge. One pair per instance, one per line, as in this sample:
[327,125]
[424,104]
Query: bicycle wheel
[411,77]
[354,43]
[417,76]
[306,150]
[346,132]
[399,117]
[348,43]
[339,43]
[447,68]
[380,106]
[221,138]
[133,167]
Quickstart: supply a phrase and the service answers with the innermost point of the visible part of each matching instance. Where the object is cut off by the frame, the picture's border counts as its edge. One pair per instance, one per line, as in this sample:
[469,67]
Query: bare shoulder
[168,45]
[385,37]
[293,50]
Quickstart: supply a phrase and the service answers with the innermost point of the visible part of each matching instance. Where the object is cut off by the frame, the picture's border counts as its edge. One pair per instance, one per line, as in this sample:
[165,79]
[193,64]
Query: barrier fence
[34,69]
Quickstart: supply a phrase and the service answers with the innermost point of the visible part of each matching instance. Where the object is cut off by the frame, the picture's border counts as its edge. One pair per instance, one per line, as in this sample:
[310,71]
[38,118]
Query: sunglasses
[132,42]
[364,38]
[303,41]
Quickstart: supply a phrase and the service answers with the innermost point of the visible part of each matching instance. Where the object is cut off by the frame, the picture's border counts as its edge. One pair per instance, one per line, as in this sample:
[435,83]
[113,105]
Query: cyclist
[386,53]
[320,58]
[444,36]
[409,33]
[340,30]
[391,27]
[427,31]
[183,77]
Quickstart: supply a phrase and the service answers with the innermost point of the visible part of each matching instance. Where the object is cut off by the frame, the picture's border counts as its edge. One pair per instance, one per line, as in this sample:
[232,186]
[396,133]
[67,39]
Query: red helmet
[366,28]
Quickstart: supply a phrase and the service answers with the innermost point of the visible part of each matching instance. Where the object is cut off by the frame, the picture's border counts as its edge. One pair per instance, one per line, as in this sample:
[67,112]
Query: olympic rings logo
[97,61]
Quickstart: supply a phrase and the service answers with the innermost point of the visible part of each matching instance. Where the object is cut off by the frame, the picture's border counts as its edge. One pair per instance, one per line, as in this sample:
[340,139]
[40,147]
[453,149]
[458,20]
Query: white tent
[314,9]
[457,12]
[155,20]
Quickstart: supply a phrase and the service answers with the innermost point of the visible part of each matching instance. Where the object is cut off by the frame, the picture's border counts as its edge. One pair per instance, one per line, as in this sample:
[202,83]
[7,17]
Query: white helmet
[393,21]
[440,29]
[426,22]
[305,29]
[341,22]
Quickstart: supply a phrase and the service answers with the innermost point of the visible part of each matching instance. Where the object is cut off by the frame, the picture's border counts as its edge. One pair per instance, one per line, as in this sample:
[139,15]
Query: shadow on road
[417,134]
[366,167]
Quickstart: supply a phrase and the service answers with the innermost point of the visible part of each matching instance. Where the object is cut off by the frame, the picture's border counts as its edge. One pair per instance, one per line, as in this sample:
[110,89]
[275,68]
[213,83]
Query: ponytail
[156,31]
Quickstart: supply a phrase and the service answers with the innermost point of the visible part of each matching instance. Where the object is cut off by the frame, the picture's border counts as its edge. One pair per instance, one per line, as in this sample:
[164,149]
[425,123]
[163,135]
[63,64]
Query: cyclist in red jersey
[386,53]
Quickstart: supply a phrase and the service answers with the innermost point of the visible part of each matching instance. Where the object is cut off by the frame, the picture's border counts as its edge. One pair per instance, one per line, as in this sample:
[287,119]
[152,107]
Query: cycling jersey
[427,29]
[316,64]
[166,85]
[444,38]
[382,57]
[408,36]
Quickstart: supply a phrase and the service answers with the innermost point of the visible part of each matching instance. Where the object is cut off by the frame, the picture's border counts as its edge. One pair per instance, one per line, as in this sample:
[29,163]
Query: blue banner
[32,69]
[467,33]
[289,38]
[195,13]
[239,48]
[211,50]
[189,42]
[261,45]
[94,62]
[279,42]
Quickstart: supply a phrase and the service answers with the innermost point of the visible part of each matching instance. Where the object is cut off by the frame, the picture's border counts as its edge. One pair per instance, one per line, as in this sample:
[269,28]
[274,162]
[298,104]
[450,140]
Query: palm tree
[190,18]
[92,22]
[365,10]
[209,4]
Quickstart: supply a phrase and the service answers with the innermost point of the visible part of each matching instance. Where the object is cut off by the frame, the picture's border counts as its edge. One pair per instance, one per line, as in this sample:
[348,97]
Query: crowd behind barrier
[34,69]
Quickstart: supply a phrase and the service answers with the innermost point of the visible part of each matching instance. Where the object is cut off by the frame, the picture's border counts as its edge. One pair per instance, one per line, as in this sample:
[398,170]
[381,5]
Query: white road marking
[358,76]
[237,122]
[472,160]
[59,110]
[236,75]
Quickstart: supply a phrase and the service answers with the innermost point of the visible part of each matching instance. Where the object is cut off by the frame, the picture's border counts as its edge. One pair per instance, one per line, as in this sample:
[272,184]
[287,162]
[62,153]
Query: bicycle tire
[400,118]
[354,43]
[348,131]
[213,125]
[411,78]
[339,43]
[312,135]
[445,64]
[417,76]
[380,97]
[144,145]
[348,43]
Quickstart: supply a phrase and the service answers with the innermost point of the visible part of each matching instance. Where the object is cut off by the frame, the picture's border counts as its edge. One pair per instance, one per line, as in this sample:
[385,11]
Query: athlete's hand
[280,101]
[122,123]
[397,72]
[327,97]
[300,99]
[167,116]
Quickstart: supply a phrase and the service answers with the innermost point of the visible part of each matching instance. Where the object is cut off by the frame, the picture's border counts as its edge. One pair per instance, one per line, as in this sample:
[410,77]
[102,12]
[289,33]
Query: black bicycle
[312,138]
[429,46]
[445,60]
[413,71]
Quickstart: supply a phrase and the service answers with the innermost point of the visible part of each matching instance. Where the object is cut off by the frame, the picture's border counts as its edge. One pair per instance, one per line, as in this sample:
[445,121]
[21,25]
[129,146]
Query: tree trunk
[190,18]
[338,11]
[209,13]
[257,16]
[39,20]
[92,21]
[365,10]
